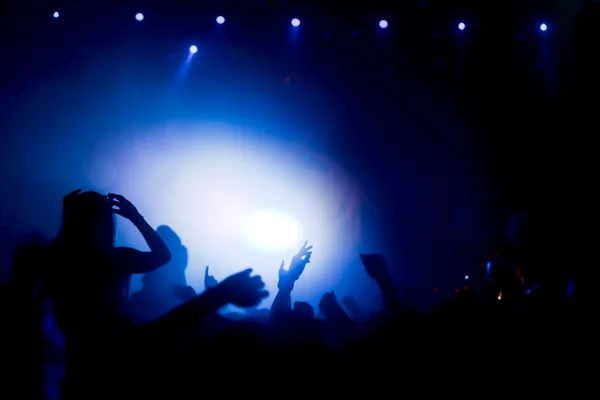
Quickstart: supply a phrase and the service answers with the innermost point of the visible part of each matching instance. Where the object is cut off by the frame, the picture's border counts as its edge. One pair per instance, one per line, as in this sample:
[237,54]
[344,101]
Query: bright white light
[295,22]
[466,276]
[220,20]
[383,24]
[462,26]
[273,231]
[543,27]
[139,16]
[56,14]
[193,49]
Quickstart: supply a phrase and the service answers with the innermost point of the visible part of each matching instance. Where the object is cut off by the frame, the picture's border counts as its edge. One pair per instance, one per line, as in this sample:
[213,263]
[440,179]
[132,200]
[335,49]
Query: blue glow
[220,20]
[462,26]
[56,14]
[193,49]
[296,22]
[383,24]
[139,16]
[466,276]
[543,27]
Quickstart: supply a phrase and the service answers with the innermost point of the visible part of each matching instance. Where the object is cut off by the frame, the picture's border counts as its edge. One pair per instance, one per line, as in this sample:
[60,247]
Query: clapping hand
[209,280]
[243,290]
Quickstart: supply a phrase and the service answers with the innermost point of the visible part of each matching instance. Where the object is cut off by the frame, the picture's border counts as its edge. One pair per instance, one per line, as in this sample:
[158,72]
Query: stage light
[220,20]
[543,27]
[296,22]
[462,26]
[466,276]
[273,231]
[56,14]
[193,49]
[383,24]
[139,16]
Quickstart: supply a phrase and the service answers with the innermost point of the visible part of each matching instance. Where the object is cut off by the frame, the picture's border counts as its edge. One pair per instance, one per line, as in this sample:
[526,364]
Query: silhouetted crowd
[71,329]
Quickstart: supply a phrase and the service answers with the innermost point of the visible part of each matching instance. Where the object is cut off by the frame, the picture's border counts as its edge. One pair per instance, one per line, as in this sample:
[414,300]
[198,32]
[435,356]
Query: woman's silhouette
[90,279]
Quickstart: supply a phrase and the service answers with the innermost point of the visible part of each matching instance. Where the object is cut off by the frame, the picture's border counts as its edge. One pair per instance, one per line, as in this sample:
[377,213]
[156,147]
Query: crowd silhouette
[72,330]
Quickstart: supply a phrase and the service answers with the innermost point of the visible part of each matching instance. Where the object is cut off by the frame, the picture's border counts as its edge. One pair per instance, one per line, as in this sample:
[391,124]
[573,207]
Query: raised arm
[135,261]
[283,300]
[376,268]
[240,289]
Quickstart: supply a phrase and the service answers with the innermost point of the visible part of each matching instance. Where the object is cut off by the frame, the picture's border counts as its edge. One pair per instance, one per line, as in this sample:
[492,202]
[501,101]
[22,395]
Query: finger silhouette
[281,266]
[303,247]
[206,273]
[117,197]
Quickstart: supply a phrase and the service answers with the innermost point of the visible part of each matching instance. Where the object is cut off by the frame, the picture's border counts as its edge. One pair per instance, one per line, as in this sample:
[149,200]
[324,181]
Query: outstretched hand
[209,280]
[123,207]
[299,262]
[243,290]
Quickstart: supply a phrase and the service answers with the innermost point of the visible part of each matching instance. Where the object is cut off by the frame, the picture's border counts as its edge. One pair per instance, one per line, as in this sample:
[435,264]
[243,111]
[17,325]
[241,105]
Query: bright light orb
[193,49]
[462,26]
[220,20]
[273,231]
[543,27]
[383,24]
[56,14]
[139,17]
[296,22]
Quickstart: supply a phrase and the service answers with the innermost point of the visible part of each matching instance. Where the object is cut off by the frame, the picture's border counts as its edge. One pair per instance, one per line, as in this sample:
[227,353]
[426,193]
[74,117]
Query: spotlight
[139,17]
[543,27]
[383,24]
[462,26]
[296,22]
[273,231]
[220,20]
[466,276]
[56,14]
[193,49]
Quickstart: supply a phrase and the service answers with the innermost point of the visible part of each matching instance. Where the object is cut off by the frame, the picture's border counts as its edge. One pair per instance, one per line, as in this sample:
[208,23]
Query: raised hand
[120,205]
[243,290]
[209,280]
[375,266]
[299,262]
[329,305]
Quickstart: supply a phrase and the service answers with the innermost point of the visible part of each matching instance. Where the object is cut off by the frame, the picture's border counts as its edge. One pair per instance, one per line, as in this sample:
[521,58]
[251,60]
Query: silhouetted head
[169,236]
[88,223]
[304,310]
[179,253]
